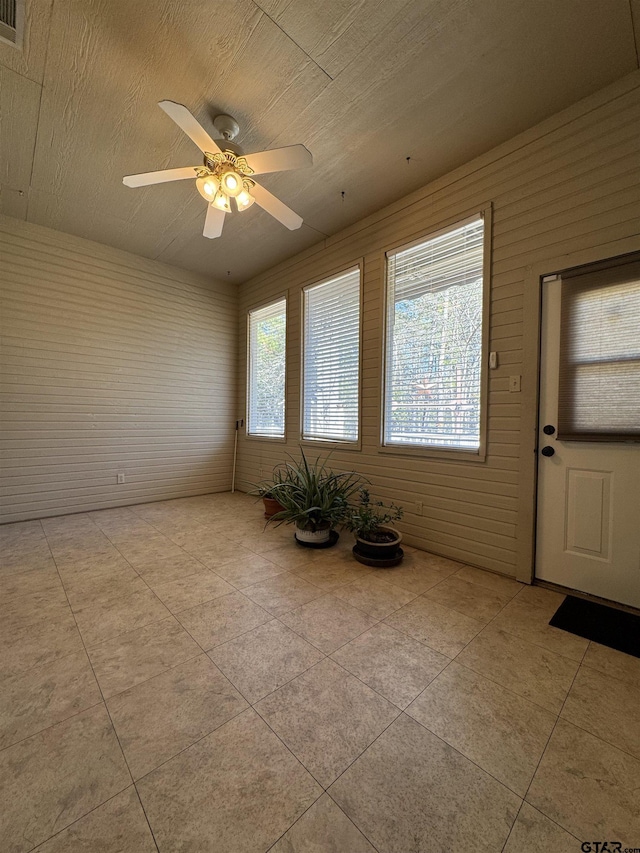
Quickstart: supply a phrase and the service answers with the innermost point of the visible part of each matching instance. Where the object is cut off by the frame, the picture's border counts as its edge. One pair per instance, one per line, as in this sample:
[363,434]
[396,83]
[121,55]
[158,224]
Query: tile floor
[172,677]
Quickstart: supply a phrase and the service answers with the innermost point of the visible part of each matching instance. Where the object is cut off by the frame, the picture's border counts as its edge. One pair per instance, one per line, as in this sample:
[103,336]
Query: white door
[588,522]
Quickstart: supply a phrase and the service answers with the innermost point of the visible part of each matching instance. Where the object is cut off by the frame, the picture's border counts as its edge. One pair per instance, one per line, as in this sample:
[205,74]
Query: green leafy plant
[367,517]
[265,488]
[312,495]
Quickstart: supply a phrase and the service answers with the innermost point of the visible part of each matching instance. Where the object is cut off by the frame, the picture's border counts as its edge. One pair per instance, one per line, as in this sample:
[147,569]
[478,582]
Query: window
[434,340]
[599,389]
[267,353]
[331,357]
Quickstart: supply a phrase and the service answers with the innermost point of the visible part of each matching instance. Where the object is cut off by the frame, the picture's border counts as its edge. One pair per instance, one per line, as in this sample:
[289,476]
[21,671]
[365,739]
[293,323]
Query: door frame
[530,401]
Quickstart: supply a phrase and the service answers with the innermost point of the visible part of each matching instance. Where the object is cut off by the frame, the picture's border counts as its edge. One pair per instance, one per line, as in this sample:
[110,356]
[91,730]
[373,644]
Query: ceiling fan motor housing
[226,126]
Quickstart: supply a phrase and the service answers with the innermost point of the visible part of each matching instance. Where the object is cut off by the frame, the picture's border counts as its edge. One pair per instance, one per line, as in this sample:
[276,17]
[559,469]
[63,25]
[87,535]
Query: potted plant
[377,544]
[314,498]
[265,490]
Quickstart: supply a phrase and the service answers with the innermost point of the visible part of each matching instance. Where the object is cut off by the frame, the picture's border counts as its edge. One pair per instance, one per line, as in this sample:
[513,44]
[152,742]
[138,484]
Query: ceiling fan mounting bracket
[227,126]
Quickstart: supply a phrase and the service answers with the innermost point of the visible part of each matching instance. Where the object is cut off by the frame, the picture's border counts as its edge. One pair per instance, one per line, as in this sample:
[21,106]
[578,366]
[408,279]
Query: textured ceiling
[364,84]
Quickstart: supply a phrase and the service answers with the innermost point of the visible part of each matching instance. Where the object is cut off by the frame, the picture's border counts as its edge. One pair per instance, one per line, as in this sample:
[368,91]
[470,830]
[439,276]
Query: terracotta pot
[271,507]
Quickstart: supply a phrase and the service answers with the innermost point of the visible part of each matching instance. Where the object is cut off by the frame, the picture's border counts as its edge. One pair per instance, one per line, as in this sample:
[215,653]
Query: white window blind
[599,387]
[434,340]
[331,357]
[267,357]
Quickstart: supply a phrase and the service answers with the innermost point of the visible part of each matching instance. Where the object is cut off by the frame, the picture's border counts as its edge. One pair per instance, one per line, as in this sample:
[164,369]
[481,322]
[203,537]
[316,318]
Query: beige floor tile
[212,549]
[264,659]
[433,561]
[245,571]
[239,789]
[17,560]
[538,596]
[158,719]
[471,599]
[588,786]
[391,663]
[374,596]
[192,590]
[44,695]
[132,658]
[327,718]
[498,730]
[323,828]
[442,629]
[282,593]
[82,567]
[104,588]
[414,576]
[103,621]
[327,622]
[534,833]
[330,573]
[612,662]
[33,608]
[117,826]
[290,556]
[37,645]
[530,671]
[165,569]
[606,707]
[222,619]
[38,581]
[410,791]
[490,580]
[531,623]
[52,778]
[16,531]
[259,541]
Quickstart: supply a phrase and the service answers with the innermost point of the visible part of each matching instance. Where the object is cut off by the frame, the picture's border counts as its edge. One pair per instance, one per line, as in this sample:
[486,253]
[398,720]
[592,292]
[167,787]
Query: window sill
[454,454]
[330,444]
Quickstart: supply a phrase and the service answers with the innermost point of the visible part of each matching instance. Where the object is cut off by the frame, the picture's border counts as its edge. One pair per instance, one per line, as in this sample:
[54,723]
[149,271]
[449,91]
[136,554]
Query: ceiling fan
[227,175]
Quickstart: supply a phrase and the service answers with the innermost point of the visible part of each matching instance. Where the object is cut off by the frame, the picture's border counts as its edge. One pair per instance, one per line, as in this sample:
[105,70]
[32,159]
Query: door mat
[605,625]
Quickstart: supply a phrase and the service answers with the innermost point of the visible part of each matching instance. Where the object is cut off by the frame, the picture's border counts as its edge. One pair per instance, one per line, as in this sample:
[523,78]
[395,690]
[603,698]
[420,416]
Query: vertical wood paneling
[569,184]
[110,363]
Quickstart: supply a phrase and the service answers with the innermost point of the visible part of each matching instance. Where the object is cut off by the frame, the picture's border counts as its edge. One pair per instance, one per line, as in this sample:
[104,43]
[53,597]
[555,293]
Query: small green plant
[367,517]
[312,495]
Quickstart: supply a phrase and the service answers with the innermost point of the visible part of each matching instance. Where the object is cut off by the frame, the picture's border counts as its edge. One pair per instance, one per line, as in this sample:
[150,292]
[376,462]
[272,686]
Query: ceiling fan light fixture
[244,200]
[231,183]
[221,201]
[208,186]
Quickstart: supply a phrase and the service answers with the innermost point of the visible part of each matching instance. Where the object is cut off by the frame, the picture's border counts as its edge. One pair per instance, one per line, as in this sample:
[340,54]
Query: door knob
[547,451]
[548,429]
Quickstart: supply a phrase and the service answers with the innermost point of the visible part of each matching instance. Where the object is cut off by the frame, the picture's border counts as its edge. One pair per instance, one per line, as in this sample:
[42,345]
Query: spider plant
[313,496]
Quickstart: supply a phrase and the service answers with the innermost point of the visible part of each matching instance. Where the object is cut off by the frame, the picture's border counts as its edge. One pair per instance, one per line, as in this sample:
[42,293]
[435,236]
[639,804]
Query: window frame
[331,443]
[282,439]
[451,454]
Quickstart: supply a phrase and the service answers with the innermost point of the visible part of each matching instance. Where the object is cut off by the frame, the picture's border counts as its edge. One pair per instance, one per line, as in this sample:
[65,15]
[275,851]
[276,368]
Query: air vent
[11,21]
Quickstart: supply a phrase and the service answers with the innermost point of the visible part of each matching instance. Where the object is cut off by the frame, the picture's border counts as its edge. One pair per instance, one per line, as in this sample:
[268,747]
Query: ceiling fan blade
[276,208]
[280,159]
[214,222]
[146,178]
[186,122]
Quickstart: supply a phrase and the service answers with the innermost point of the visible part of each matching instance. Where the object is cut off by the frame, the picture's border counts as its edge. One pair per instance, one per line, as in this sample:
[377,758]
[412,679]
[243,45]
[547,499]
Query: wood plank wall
[110,363]
[571,183]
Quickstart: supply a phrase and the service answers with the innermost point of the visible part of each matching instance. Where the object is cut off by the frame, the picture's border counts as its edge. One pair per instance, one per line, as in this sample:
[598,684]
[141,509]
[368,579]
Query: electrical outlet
[120,477]
[514,383]
[418,507]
